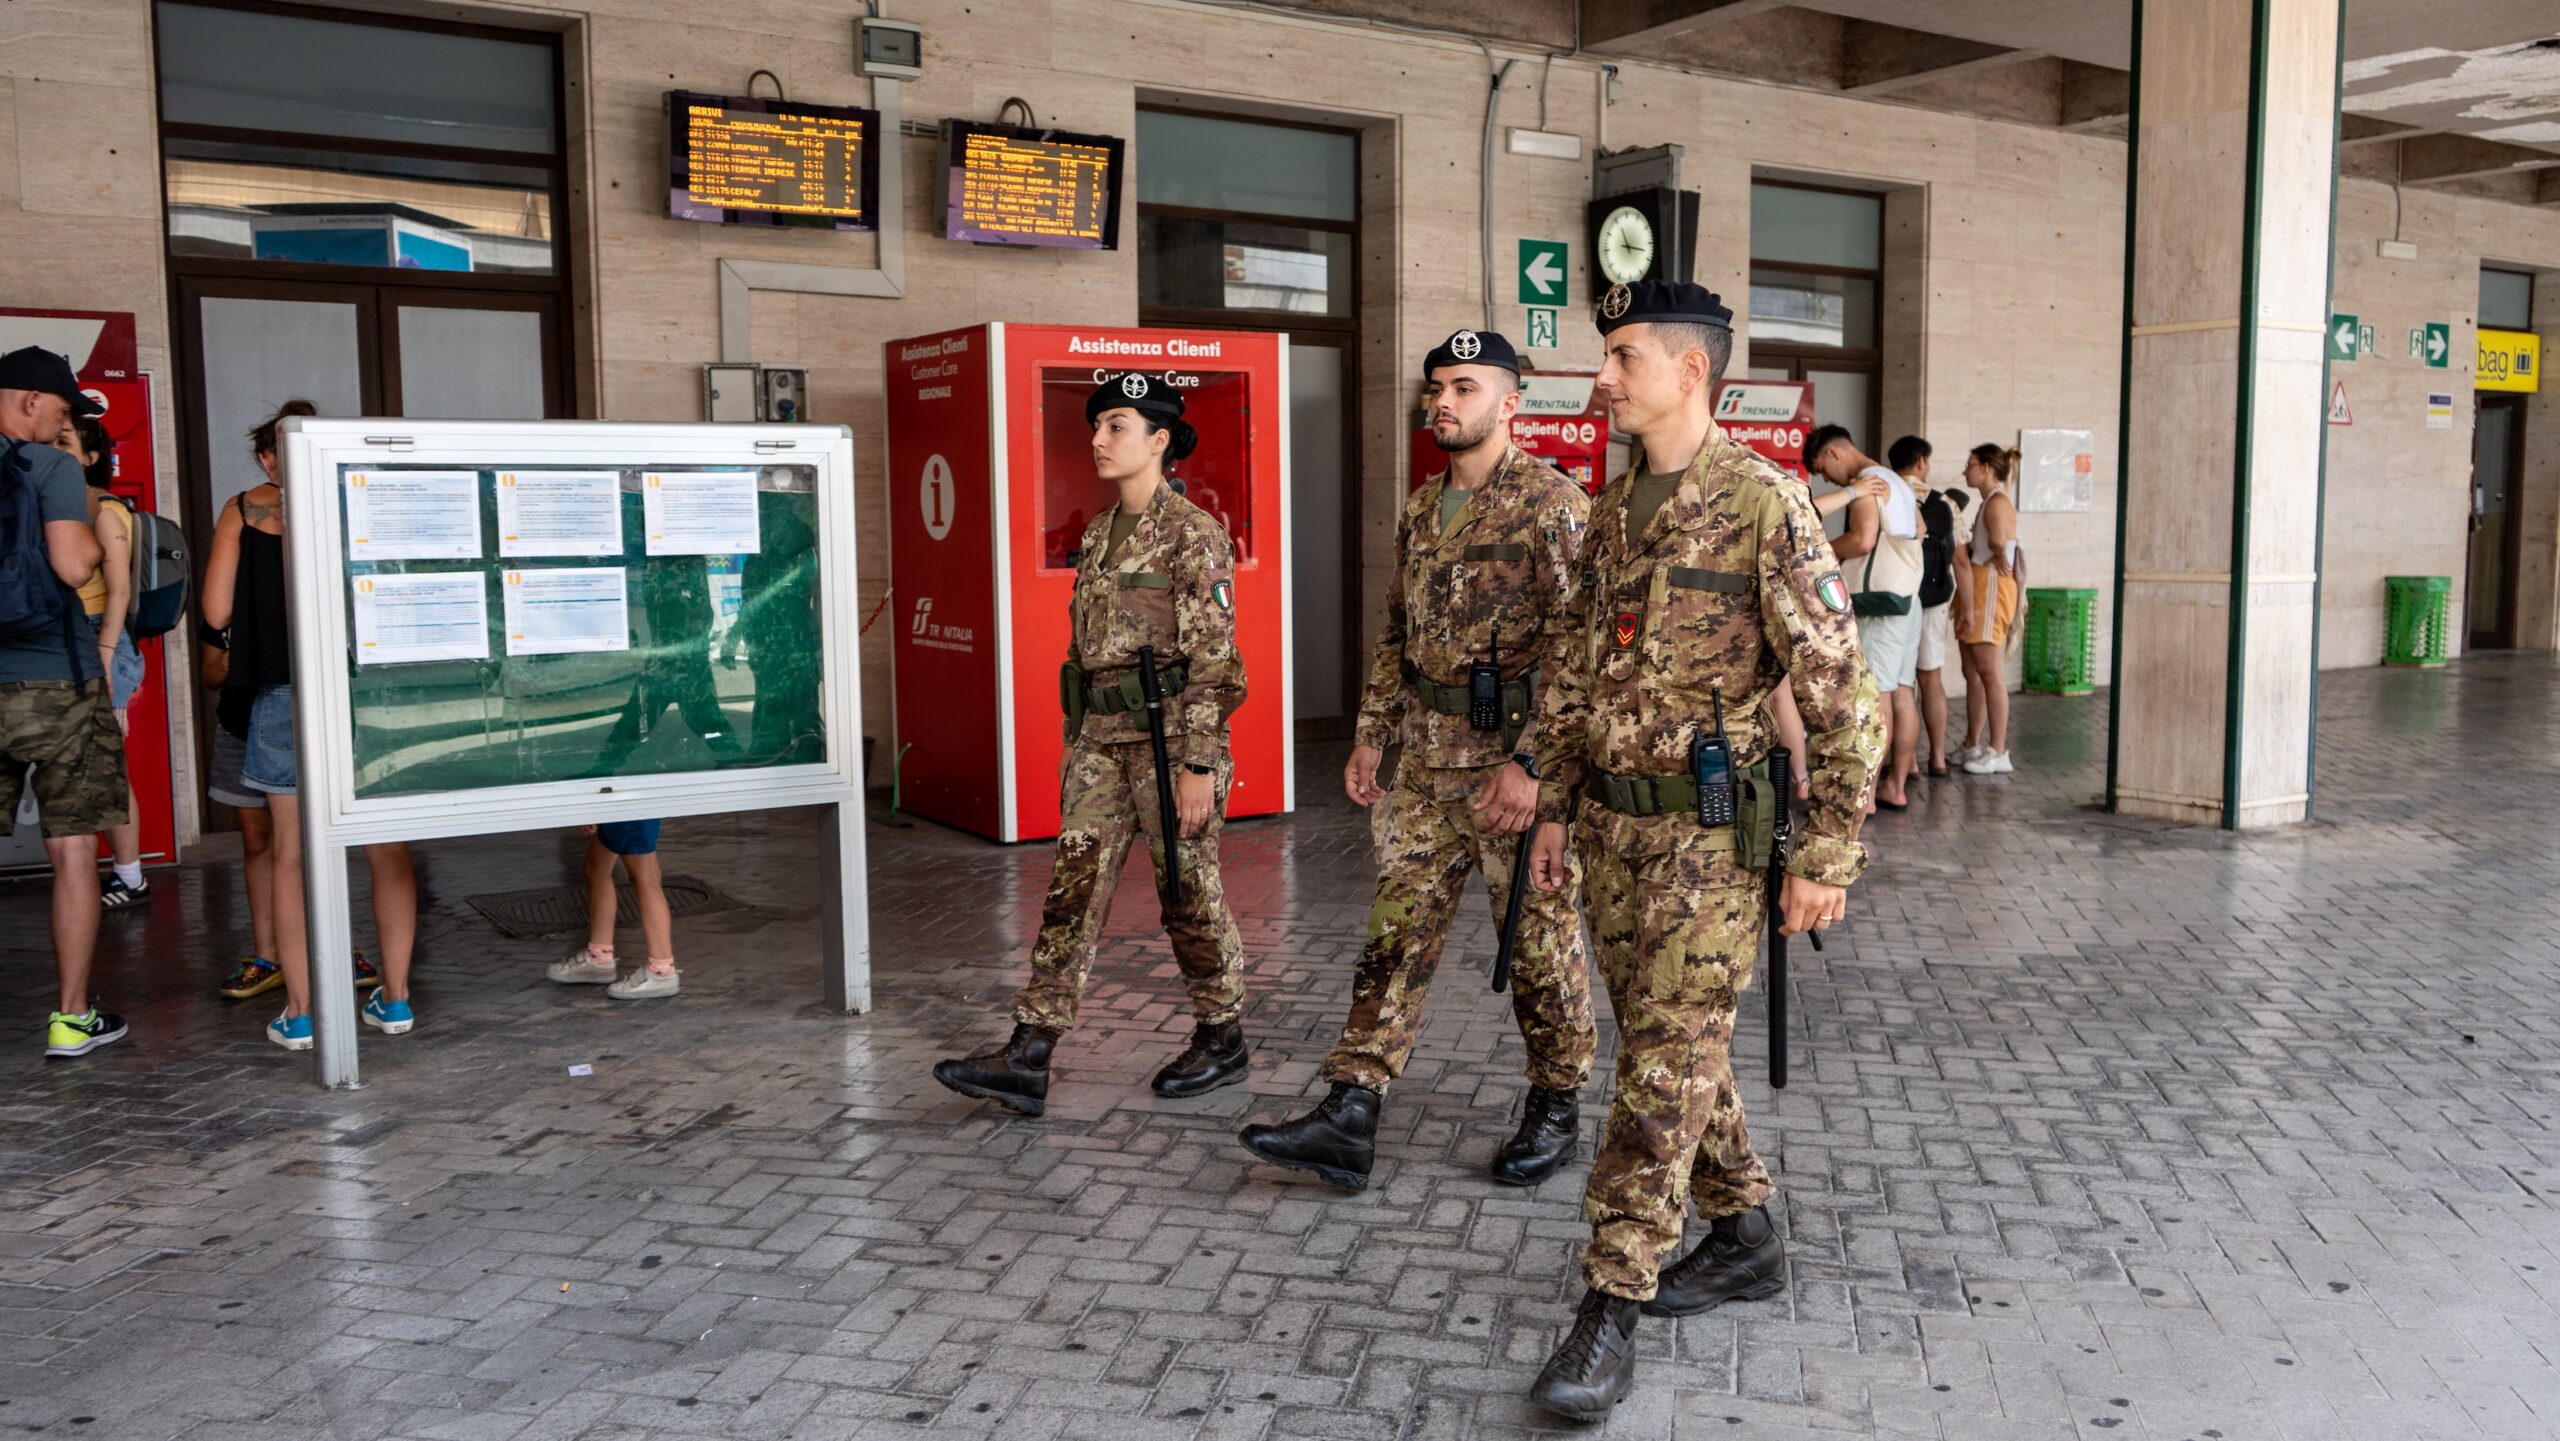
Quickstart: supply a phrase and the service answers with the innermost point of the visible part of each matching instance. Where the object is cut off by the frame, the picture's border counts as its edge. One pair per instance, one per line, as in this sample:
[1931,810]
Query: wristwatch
[1198,770]
[1526,762]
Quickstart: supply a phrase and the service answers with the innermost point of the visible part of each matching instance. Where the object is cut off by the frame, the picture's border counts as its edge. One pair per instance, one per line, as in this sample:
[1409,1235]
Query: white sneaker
[1989,763]
[645,984]
[583,969]
[1963,755]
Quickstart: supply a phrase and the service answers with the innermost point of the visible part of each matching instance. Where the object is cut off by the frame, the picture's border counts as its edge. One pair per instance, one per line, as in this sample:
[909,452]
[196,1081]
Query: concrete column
[2227,299]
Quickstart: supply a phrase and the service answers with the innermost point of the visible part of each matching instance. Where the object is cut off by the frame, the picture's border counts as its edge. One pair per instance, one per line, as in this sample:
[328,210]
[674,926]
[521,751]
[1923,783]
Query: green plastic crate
[2417,618]
[2061,654]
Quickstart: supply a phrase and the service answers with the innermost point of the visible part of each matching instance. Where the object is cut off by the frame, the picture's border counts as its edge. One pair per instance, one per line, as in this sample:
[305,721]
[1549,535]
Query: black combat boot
[1596,1366]
[1334,1140]
[1015,1075]
[1550,1132]
[1216,1057]
[1741,1259]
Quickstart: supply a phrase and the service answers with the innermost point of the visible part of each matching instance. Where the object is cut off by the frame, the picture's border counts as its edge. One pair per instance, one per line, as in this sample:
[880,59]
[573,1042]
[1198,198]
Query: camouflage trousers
[1678,924]
[1427,841]
[1108,801]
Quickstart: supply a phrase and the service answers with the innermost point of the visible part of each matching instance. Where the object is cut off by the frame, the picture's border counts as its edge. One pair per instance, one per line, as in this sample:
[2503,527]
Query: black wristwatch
[1526,762]
[1199,770]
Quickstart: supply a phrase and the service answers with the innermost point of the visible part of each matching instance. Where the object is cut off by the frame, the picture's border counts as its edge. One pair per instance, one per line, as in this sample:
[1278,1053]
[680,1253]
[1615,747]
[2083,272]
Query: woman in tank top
[1986,607]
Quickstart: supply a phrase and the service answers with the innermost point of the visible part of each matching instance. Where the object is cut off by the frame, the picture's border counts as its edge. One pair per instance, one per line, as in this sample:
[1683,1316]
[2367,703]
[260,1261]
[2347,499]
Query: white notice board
[2057,470]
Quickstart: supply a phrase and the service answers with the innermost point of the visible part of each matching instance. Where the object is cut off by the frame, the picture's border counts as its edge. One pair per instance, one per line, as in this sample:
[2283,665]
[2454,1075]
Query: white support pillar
[2233,173]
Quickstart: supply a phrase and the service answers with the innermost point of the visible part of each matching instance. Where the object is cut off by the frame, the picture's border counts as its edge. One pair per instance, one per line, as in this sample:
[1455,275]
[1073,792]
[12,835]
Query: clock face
[1626,245]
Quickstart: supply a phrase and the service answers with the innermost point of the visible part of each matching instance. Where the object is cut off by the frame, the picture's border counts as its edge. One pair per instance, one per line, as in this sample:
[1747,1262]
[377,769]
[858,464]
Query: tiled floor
[2097,1129]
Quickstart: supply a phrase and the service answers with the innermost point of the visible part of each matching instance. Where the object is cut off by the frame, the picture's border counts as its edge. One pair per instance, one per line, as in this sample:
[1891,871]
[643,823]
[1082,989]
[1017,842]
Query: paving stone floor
[2098,1129]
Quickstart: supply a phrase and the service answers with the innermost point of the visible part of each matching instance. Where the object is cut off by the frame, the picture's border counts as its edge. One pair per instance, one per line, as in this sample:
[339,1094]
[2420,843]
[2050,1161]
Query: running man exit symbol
[1542,328]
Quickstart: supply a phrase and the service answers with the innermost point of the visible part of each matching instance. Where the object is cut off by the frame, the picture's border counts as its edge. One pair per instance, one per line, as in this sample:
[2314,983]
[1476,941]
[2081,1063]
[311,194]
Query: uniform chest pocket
[1706,631]
[1487,584]
[1144,607]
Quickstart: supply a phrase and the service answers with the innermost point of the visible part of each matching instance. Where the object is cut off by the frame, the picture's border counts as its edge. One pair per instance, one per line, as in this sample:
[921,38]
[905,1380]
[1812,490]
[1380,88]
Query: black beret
[1146,394]
[1472,347]
[1672,300]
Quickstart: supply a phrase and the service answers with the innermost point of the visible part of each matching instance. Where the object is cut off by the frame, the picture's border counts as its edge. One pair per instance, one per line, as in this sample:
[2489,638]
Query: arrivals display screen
[746,160]
[1006,185]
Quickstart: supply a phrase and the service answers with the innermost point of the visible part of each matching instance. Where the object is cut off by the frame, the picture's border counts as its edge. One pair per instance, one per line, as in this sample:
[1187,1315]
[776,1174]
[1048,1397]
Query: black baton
[1782,773]
[1152,687]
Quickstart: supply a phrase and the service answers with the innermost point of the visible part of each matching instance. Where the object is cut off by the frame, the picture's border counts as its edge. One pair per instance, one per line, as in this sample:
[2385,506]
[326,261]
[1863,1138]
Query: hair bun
[1185,440]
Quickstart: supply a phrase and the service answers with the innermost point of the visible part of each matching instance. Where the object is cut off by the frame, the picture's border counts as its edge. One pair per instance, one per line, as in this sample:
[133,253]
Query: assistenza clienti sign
[2509,360]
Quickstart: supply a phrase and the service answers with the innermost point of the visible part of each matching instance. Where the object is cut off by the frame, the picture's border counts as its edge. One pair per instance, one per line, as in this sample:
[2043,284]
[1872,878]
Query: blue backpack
[33,600]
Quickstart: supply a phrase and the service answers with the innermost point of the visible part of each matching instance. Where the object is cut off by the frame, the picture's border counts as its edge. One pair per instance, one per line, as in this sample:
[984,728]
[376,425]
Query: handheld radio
[1711,766]
[1484,687]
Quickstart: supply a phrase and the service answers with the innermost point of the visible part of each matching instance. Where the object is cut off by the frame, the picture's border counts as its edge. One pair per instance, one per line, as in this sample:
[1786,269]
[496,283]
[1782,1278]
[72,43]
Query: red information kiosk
[991,485]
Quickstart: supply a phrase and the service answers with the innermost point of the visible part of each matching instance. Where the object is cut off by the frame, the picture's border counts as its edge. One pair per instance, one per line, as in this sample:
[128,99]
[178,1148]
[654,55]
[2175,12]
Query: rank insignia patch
[1834,591]
[1628,621]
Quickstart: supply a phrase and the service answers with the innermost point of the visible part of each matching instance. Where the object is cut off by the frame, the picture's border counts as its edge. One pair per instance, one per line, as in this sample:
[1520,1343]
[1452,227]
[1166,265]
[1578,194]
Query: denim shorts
[124,677]
[270,765]
[629,838]
[222,780]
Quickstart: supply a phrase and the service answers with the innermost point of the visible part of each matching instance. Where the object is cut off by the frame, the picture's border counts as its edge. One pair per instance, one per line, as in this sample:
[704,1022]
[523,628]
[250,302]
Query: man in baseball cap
[57,722]
[29,376]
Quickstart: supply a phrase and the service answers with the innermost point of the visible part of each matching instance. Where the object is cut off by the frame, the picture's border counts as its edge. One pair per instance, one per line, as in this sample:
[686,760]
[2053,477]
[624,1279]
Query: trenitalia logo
[924,615]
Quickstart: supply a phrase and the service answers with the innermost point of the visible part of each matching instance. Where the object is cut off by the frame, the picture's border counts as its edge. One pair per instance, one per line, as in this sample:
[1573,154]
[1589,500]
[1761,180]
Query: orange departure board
[748,160]
[1010,186]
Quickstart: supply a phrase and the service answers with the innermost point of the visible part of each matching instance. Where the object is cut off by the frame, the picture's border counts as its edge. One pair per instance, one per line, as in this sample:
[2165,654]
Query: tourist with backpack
[57,728]
[1879,554]
[107,600]
[1945,523]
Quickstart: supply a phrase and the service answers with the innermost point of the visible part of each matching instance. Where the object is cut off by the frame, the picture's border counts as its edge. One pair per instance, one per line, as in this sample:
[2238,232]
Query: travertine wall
[2018,232]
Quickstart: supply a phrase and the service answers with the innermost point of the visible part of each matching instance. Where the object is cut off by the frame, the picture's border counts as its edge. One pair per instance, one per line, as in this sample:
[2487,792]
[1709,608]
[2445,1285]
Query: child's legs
[601,902]
[395,913]
[657,925]
[124,842]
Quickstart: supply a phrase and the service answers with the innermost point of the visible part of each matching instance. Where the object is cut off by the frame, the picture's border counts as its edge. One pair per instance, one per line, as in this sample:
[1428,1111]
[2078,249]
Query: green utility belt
[1452,699]
[1756,802]
[1079,695]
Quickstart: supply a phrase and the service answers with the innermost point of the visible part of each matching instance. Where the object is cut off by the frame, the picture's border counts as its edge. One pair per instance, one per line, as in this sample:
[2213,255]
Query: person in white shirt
[1880,558]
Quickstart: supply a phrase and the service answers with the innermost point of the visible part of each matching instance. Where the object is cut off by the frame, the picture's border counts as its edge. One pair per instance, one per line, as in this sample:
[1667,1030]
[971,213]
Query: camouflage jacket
[1731,589]
[1505,571]
[1171,587]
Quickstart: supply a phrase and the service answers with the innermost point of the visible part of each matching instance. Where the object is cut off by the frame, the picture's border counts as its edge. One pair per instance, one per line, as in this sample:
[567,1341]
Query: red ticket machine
[1770,416]
[991,486]
[101,348]
[1562,421]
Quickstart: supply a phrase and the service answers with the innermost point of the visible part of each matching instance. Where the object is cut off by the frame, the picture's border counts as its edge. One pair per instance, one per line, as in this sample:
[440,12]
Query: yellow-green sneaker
[79,1035]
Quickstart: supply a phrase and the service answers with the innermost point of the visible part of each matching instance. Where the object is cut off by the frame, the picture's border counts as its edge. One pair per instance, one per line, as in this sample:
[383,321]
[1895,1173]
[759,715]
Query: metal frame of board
[334,820]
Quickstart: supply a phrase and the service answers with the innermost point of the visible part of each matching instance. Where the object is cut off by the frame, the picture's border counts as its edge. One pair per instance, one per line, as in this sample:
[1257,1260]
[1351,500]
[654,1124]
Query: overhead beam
[2367,130]
[1627,25]
[2095,97]
[1879,59]
[2436,159]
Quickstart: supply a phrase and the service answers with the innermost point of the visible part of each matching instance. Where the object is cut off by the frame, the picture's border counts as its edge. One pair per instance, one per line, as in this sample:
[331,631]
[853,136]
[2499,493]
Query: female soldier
[1154,571]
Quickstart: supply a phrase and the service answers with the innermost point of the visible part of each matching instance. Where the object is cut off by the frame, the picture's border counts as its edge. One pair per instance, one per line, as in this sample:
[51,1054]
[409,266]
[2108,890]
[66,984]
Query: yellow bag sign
[2509,360]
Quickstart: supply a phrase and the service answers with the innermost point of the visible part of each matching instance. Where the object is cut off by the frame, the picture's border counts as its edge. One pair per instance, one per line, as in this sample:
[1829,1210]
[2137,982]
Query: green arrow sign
[2439,344]
[2343,334]
[1542,272]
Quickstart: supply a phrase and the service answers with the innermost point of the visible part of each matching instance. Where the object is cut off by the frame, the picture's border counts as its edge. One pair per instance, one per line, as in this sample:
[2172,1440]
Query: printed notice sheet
[413,515]
[703,512]
[559,512]
[401,619]
[555,612]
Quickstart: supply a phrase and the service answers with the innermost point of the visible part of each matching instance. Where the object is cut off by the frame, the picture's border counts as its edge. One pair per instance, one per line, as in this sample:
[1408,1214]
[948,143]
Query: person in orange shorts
[1986,608]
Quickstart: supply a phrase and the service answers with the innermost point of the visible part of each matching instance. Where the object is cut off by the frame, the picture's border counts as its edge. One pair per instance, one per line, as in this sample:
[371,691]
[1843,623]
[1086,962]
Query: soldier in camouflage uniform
[1155,571]
[1487,557]
[1707,582]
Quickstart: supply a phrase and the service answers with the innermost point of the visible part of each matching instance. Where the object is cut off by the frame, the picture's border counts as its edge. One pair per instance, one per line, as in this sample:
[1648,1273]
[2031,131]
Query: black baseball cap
[32,367]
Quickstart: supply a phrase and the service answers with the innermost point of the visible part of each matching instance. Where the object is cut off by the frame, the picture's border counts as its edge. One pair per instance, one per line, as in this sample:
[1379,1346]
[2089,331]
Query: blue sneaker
[291,1032]
[386,1015]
